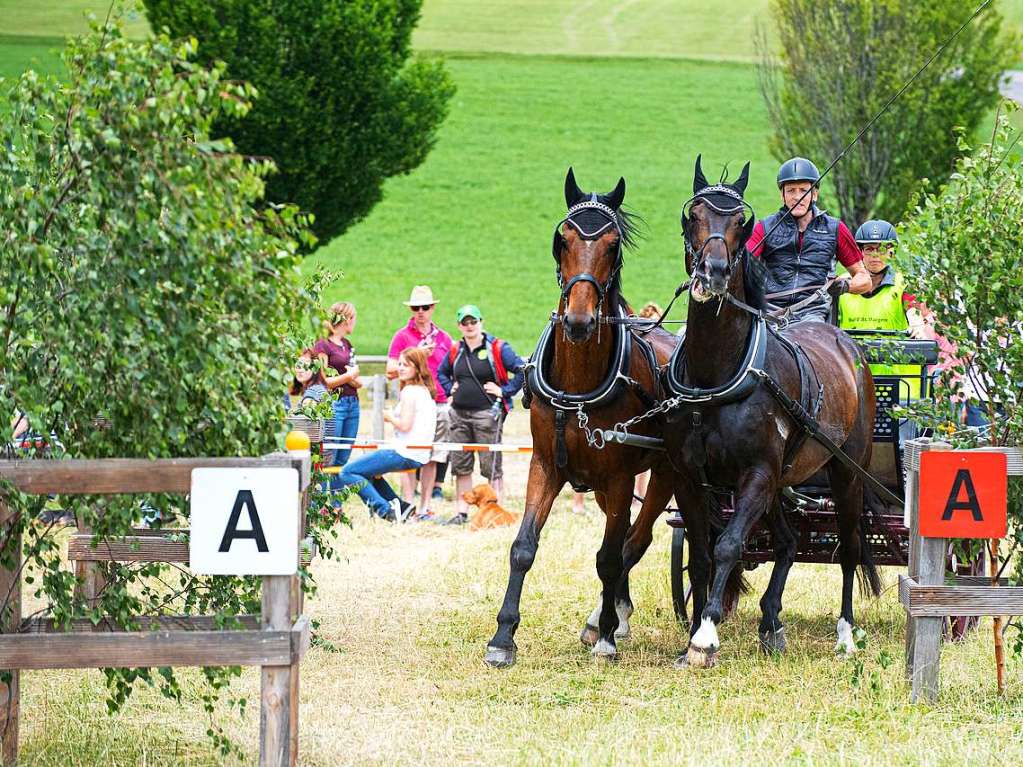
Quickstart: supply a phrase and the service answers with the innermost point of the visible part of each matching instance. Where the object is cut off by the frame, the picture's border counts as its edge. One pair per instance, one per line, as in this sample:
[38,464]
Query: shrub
[960,253]
[142,285]
[341,106]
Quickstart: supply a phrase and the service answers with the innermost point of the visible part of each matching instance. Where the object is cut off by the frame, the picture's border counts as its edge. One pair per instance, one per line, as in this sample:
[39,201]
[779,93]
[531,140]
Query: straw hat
[421,296]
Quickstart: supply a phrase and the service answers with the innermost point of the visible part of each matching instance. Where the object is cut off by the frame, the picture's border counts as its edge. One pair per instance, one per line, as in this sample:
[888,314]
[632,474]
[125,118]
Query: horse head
[588,251]
[716,222]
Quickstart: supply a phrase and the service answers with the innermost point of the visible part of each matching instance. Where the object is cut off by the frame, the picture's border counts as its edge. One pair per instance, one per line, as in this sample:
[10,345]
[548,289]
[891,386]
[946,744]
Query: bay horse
[736,428]
[590,371]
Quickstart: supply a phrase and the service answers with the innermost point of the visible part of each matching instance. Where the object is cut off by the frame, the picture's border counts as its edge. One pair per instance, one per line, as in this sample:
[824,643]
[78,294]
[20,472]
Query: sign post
[949,494]
[247,521]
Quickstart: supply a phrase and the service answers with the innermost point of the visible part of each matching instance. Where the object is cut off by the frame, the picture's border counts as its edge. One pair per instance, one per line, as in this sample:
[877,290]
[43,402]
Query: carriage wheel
[680,589]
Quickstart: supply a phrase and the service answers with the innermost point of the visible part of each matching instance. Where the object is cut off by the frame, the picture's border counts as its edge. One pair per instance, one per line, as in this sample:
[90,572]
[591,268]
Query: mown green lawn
[475,221]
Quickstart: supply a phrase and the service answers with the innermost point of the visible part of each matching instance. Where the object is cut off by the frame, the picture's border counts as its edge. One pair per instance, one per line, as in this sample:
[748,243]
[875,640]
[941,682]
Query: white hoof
[604,650]
[589,635]
[846,644]
[703,647]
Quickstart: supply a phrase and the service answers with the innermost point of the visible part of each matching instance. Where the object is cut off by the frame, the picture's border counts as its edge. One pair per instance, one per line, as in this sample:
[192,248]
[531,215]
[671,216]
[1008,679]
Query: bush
[142,286]
[960,253]
[839,64]
[341,106]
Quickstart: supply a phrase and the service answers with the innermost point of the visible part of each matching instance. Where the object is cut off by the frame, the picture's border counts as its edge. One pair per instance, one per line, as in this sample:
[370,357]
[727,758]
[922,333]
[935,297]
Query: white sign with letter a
[244,521]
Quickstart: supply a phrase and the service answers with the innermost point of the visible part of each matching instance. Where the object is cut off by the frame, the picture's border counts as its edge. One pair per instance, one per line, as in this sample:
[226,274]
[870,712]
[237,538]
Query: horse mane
[754,279]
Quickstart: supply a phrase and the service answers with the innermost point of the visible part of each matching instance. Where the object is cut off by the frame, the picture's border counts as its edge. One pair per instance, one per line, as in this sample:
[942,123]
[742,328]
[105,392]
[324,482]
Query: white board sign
[244,521]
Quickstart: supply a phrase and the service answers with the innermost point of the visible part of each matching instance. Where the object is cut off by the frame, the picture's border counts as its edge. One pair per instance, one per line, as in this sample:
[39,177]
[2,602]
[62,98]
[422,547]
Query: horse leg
[695,508]
[755,490]
[637,541]
[615,503]
[772,632]
[542,488]
[851,548]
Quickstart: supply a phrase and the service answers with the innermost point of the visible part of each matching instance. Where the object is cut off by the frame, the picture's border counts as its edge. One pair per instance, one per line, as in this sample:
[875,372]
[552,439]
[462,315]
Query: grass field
[410,610]
[475,220]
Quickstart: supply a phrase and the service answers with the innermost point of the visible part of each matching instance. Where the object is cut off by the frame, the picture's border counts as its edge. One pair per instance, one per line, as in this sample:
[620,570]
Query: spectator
[337,353]
[307,384]
[481,374]
[414,420]
[650,311]
[422,333]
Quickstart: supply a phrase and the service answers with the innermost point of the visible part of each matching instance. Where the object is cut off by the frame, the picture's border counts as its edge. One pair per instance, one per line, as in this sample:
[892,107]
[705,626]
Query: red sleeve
[848,251]
[755,241]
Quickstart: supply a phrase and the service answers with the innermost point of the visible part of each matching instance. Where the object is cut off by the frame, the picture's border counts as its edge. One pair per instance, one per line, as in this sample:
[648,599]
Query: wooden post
[927,568]
[275,704]
[89,576]
[379,400]
[10,620]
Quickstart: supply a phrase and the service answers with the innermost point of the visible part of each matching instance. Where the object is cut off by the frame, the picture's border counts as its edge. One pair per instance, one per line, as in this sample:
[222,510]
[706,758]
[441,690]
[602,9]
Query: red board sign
[963,494]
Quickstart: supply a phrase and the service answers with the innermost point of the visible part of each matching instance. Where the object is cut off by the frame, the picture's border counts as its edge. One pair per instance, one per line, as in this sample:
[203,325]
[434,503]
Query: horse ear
[740,183]
[573,193]
[617,195]
[699,180]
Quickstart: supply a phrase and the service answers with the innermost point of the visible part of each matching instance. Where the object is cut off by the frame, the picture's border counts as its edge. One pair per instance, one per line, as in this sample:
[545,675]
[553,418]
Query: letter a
[971,503]
[232,533]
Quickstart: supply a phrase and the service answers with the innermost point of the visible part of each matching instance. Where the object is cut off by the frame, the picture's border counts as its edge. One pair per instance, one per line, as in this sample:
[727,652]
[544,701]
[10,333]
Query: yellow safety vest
[883,310]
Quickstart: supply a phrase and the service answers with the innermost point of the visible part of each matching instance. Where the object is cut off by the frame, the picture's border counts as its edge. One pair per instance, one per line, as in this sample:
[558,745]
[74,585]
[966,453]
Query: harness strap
[812,428]
[560,449]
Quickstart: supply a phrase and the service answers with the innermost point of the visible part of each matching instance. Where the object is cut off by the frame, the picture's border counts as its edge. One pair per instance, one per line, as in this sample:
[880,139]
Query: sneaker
[389,516]
[438,495]
[427,517]
[458,519]
[404,510]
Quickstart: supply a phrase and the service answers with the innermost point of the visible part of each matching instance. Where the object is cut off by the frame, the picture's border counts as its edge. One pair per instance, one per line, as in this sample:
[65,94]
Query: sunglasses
[423,308]
[469,321]
[305,366]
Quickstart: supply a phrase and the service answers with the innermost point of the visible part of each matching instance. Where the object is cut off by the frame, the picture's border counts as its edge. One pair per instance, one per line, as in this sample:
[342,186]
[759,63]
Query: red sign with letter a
[963,494]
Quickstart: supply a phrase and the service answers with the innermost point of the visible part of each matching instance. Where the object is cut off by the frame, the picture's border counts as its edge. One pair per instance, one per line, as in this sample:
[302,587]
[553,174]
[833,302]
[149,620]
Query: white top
[424,423]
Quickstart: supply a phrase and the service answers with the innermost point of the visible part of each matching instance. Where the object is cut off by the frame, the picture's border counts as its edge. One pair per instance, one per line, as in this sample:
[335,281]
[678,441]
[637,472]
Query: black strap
[560,449]
[806,422]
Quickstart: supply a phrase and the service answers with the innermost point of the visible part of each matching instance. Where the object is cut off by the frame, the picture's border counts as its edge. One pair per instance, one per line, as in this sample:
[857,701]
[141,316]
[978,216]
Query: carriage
[809,508]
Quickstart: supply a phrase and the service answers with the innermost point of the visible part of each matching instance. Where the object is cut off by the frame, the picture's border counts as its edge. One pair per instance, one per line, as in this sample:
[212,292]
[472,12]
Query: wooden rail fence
[276,639]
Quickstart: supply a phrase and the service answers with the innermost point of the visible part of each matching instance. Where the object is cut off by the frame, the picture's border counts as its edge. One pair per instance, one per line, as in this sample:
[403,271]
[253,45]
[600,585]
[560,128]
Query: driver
[802,245]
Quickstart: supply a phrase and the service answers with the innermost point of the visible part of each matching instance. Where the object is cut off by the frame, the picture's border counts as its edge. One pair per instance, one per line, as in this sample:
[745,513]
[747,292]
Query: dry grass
[411,609]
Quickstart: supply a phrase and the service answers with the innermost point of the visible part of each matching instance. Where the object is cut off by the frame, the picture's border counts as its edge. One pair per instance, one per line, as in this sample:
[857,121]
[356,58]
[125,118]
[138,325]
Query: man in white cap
[420,331]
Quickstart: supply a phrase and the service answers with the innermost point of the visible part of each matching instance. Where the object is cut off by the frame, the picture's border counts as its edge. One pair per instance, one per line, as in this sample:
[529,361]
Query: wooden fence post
[926,568]
[10,619]
[276,687]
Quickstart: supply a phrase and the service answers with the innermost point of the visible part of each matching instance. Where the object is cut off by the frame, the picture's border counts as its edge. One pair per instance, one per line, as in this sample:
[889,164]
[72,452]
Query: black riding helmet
[876,230]
[798,169]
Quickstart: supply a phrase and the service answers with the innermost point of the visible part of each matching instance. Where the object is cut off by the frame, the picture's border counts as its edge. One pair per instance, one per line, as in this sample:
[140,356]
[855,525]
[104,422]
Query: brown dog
[490,513]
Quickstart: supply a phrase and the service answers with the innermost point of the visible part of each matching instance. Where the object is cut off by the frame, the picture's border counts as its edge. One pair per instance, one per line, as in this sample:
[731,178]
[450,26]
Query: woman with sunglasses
[481,374]
[307,384]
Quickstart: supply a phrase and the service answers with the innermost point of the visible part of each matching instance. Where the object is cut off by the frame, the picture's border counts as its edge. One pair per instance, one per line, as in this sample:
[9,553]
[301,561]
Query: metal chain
[597,439]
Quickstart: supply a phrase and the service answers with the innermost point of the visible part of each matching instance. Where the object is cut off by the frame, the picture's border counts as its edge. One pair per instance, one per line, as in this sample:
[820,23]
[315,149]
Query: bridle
[611,221]
[703,196]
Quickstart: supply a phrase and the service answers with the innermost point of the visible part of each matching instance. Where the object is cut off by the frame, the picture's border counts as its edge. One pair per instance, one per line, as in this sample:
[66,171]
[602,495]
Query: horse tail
[871,524]
[736,585]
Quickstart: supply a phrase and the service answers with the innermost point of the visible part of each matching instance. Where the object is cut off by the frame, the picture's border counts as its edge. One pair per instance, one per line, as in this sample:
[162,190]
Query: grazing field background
[635,89]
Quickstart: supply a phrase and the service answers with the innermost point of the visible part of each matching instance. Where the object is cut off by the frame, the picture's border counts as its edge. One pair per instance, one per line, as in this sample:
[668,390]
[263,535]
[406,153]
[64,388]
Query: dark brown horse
[589,373]
[732,430]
